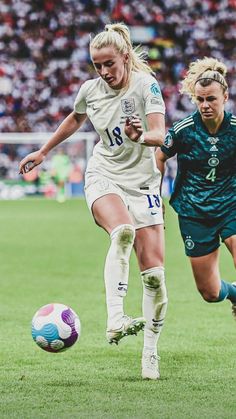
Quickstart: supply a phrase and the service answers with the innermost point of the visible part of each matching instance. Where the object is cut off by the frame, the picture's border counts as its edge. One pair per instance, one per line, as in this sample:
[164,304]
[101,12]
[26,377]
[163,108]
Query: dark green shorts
[202,236]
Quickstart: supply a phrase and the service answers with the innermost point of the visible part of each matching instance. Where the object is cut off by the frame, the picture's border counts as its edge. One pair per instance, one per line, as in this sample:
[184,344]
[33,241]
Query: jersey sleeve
[170,144]
[153,100]
[80,105]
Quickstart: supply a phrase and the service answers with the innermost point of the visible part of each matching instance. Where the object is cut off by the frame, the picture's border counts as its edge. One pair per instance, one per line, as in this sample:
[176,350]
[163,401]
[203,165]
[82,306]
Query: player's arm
[68,127]
[155,134]
[161,162]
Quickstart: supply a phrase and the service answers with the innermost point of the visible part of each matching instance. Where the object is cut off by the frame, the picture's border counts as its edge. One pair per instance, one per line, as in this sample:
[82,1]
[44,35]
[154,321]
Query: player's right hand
[30,161]
[133,128]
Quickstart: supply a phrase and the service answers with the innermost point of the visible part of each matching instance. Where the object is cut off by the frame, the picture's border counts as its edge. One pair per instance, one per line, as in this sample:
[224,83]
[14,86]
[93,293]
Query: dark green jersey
[205,184]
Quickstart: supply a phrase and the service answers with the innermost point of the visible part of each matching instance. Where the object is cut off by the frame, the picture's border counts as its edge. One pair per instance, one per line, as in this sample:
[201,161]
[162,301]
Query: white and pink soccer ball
[55,327]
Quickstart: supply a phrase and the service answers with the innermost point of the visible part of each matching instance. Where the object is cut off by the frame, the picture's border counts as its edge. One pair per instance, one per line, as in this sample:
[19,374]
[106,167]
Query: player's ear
[126,57]
[226,96]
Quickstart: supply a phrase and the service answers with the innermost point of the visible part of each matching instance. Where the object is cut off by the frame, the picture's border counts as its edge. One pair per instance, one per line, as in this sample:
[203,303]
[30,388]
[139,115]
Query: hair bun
[221,69]
[213,64]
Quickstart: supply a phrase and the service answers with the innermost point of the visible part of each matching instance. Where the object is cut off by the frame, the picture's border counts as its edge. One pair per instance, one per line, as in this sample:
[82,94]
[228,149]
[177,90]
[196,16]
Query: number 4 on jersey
[211,175]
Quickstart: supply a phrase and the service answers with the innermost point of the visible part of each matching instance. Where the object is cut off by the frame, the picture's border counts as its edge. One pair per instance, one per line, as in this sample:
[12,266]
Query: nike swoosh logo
[154,213]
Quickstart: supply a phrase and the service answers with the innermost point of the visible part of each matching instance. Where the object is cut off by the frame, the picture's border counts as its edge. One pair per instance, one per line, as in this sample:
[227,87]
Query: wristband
[141,139]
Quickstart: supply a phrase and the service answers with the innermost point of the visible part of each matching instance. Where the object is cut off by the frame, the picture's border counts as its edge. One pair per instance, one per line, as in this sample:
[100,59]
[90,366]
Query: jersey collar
[224,125]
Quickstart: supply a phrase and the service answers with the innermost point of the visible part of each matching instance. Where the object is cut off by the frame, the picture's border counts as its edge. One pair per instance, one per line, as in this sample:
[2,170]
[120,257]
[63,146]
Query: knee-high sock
[154,305]
[116,273]
[228,291]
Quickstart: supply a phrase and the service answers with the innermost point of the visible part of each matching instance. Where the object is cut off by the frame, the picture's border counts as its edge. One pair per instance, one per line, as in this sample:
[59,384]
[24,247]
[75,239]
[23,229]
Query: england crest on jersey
[128,105]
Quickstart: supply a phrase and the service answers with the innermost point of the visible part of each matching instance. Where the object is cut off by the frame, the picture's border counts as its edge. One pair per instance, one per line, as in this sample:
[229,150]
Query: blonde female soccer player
[204,194]
[126,108]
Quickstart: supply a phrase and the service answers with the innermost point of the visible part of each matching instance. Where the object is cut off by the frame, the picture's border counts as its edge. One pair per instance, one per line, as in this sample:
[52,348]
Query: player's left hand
[133,128]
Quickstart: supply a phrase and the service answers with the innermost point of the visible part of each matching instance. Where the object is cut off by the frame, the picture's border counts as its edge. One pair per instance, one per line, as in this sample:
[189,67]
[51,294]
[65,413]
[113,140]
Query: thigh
[109,211]
[230,242]
[107,202]
[206,272]
[149,246]
[228,235]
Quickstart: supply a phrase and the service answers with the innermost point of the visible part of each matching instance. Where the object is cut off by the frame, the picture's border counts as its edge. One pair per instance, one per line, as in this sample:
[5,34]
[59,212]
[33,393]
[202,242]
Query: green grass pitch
[54,252]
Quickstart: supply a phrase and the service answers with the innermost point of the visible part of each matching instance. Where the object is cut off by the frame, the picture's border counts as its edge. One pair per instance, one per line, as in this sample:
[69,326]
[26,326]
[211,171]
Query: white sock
[116,273]
[154,306]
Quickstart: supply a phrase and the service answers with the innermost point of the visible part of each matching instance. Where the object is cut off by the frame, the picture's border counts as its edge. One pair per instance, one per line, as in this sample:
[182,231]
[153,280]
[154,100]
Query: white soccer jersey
[126,163]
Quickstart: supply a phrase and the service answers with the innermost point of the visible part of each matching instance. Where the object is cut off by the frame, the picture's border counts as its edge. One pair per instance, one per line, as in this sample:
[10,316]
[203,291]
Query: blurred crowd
[44,59]
[44,54]
[184,30]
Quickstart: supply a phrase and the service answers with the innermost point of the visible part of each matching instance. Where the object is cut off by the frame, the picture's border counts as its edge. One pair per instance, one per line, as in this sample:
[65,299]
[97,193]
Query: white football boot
[130,326]
[150,366]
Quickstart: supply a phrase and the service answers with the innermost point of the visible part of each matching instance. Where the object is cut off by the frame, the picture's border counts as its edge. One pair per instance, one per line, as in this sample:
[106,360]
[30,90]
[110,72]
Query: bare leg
[109,211]
[207,275]
[231,245]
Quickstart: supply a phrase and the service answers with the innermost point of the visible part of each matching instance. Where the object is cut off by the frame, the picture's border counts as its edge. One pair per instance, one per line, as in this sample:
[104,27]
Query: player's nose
[205,104]
[103,71]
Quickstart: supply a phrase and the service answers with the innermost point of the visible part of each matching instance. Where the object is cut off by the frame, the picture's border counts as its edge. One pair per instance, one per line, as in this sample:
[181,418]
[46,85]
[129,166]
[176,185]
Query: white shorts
[144,205]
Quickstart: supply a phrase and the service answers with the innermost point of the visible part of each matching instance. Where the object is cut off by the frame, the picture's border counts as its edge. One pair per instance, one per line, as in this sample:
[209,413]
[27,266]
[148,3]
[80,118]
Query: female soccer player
[204,194]
[125,106]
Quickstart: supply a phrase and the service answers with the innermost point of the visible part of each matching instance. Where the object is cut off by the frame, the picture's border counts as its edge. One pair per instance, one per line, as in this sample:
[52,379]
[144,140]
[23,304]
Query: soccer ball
[55,327]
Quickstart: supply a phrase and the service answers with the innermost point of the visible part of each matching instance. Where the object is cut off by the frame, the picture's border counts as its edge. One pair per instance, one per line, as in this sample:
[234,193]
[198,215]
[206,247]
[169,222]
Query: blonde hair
[204,71]
[118,36]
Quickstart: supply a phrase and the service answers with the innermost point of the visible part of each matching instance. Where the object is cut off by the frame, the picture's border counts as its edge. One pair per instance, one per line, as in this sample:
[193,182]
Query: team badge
[103,185]
[189,244]
[128,106]
[168,142]
[213,161]
[155,89]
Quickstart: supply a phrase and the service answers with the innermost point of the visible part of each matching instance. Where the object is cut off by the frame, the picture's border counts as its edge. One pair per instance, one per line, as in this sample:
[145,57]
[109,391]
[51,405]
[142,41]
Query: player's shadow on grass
[65,383]
[136,378]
